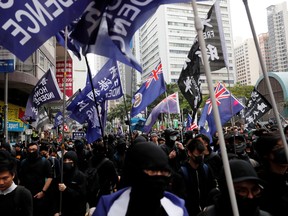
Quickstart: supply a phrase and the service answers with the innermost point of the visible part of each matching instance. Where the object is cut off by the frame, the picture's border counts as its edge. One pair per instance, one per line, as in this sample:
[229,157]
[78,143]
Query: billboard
[60,69]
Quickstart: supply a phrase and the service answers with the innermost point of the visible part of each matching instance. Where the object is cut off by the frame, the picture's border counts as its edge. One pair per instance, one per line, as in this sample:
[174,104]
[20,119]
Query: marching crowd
[161,173]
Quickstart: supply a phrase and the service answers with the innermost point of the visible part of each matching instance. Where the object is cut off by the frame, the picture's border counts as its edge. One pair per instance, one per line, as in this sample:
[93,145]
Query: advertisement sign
[60,69]
[7,61]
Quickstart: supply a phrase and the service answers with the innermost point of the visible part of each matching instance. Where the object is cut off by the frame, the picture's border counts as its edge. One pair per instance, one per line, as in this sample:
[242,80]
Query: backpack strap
[101,163]
[17,202]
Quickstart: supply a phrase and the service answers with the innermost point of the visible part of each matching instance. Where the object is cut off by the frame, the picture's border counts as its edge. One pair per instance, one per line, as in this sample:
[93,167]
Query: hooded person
[248,189]
[174,149]
[146,174]
[73,187]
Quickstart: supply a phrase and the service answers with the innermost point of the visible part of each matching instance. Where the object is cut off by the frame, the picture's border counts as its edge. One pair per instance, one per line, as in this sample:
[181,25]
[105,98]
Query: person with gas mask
[197,178]
[248,189]
[274,171]
[146,174]
[36,175]
[73,187]
[174,149]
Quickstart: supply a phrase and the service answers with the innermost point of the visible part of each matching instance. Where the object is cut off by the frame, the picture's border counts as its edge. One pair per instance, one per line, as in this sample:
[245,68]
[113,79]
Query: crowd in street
[161,173]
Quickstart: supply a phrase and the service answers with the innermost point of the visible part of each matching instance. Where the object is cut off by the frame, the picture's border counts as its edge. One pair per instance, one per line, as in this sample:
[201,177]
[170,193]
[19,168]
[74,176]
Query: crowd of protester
[163,173]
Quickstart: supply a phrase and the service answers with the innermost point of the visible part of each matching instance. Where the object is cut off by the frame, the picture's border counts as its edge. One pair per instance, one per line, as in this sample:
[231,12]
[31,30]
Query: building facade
[247,63]
[169,34]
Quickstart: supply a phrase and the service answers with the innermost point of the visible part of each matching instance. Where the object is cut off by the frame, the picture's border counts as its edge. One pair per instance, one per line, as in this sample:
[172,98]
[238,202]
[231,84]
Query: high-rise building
[169,34]
[264,48]
[247,63]
[277,17]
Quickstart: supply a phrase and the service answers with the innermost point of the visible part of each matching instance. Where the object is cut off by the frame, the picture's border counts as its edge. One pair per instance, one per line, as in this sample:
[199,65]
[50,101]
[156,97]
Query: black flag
[256,107]
[188,82]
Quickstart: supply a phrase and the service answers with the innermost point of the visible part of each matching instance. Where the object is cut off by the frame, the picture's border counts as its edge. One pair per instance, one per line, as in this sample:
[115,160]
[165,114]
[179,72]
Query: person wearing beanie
[274,171]
[36,175]
[248,189]
[146,173]
[15,200]
[73,187]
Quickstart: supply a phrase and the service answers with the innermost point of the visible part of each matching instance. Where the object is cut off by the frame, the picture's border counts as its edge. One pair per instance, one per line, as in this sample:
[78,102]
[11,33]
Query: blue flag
[58,119]
[228,106]
[167,105]
[107,86]
[45,91]
[118,23]
[94,130]
[151,89]
[26,25]
[137,124]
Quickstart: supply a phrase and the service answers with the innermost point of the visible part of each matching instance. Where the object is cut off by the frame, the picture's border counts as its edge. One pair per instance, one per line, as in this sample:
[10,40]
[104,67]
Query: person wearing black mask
[73,187]
[248,189]
[270,149]
[35,174]
[197,178]
[146,173]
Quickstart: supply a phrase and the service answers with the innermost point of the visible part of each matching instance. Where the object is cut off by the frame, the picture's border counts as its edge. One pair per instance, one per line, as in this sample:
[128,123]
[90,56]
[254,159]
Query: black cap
[242,170]
[71,155]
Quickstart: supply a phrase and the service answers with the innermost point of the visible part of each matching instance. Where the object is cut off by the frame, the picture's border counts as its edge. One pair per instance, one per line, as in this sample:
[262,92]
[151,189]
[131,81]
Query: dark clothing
[174,163]
[108,177]
[17,203]
[74,196]
[275,196]
[196,187]
[214,161]
[215,211]
[34,173]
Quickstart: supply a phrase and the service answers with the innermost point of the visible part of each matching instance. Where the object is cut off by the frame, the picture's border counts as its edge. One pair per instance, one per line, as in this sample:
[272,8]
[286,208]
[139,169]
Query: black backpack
[93,185]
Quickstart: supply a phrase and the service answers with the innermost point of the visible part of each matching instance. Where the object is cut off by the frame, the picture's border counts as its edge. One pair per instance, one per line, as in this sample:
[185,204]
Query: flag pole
[199,29]
[128,119]
[94,96]
[169,117]
[266,77]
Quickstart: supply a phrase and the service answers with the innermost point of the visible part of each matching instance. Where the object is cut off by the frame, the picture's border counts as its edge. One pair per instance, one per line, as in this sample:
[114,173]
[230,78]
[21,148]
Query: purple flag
[107,86]
[168,105]
[228,106]
[118,23]
[26,25]
[151,89]
[45,91]
[58,119]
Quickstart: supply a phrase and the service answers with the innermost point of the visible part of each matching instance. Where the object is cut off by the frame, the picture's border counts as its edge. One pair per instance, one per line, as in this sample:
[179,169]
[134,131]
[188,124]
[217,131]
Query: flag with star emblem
[150,90]
[188,82]
[228,106]
[168,105]
[256,107]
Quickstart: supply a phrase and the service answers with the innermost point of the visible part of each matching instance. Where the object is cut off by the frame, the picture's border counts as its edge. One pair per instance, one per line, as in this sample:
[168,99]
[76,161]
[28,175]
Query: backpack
[93,185]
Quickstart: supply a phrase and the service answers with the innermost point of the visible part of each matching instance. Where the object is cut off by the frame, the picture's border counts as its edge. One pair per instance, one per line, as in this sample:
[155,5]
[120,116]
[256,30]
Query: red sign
[60,69]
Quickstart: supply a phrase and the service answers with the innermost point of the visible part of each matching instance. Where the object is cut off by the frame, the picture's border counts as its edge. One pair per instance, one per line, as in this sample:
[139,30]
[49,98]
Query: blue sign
[7,65]
[16,126]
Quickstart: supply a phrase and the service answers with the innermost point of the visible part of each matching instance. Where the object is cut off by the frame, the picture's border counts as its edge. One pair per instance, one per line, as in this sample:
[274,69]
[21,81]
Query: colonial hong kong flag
[228,106]
[150,90]
[191,125]
[168,105]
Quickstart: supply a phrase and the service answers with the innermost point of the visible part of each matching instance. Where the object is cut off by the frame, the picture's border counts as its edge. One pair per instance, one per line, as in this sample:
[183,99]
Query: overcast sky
[240,24]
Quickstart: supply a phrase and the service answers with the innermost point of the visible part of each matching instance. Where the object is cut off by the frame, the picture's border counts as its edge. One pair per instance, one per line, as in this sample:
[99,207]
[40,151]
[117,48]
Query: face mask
[68,167]
[173,138]
[32,155]
[280,156]
[247,206]
[198,159]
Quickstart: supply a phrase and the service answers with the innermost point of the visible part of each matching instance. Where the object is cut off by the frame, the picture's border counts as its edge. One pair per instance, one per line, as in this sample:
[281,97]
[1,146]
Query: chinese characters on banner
[60,69]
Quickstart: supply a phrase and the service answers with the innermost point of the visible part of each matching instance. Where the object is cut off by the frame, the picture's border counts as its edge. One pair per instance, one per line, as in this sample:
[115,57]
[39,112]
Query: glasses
[255,191]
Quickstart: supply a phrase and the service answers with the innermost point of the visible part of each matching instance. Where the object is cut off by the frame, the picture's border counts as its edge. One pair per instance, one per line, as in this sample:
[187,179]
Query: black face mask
[32,155]
[247,206]
[68,167]
[198,159]
[280,156]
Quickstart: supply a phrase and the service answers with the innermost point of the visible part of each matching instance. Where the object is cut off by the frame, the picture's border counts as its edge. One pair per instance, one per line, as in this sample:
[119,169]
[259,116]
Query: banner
[26,25]
[60,70]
